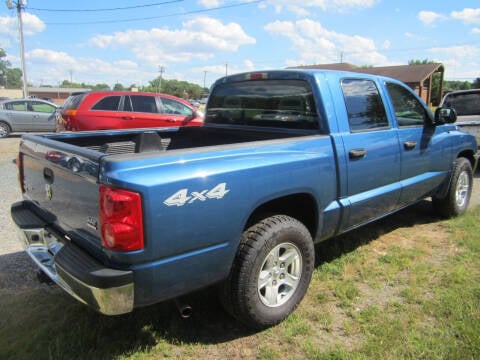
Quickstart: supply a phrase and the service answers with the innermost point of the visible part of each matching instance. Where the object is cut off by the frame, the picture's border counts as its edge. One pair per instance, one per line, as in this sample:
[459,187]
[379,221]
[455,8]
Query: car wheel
[4,129]
[458,196]
[271,272]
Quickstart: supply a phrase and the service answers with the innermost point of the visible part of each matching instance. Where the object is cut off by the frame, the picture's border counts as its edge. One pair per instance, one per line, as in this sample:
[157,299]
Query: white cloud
[32,24]
[51,67]
[461,62]
[317,45]
[429,17]
[9,28]
[210,3]
[200,38]
[476,30]
[467,16]
[300,8]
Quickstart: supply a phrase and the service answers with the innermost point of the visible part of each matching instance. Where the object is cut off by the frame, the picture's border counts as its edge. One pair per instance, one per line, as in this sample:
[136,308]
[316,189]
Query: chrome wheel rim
[3,130]
[279,275]
[462,189]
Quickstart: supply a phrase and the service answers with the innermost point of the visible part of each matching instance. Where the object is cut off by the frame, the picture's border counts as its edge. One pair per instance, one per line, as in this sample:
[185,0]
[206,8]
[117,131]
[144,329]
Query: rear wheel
[271,272]
[4,129]
[458,196]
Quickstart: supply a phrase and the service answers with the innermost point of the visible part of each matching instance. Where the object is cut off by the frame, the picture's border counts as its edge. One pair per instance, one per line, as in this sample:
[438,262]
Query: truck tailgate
[62,180]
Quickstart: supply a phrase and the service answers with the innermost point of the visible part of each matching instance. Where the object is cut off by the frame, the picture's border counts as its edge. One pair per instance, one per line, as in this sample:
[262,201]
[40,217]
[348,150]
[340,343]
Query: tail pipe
[184,309]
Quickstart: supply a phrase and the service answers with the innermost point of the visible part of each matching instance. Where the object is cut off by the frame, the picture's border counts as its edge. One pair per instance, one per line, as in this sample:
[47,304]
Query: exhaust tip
[185,310]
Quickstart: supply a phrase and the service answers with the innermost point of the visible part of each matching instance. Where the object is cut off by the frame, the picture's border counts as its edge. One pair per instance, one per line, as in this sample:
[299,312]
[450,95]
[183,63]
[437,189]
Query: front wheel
[271,272]
[458,196]
[4,129]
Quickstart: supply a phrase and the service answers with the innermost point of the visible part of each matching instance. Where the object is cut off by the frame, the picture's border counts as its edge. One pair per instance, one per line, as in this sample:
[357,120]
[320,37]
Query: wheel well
[468,154]
[299,206]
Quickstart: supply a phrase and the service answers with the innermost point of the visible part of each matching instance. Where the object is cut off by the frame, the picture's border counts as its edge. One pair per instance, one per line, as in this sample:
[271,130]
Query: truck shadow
[74,331]
[420,213]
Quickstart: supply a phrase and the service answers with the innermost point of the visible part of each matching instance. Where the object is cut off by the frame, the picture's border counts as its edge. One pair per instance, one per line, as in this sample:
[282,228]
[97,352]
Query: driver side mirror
[445,116]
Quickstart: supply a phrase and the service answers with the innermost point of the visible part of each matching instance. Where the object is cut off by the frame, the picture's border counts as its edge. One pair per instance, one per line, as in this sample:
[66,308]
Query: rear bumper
[109,291]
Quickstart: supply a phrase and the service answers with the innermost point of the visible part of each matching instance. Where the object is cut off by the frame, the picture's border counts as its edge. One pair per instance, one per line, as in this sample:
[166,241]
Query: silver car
[26,115]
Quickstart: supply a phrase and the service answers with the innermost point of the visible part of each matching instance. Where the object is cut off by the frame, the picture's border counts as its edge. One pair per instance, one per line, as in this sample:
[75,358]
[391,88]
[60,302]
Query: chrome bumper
[109,291]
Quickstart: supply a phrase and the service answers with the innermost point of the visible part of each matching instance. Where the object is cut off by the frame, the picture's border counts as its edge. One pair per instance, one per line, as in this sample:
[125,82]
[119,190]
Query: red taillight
[121,222]
[69,119]
[19,162]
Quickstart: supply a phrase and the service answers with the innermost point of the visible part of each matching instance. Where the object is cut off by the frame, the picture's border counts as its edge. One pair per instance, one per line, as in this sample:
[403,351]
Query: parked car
[467,106]
[26,115]
[105,110]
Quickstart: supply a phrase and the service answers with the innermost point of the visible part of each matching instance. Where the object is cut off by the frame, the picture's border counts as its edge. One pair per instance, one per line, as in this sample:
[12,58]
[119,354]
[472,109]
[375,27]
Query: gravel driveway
[15,267]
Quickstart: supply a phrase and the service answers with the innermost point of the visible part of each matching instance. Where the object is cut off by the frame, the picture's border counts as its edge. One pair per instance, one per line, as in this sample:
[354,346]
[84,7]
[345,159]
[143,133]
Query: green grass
[397,289]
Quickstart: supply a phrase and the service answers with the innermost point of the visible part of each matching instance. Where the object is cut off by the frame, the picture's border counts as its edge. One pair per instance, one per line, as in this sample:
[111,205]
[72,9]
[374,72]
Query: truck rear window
[276,103]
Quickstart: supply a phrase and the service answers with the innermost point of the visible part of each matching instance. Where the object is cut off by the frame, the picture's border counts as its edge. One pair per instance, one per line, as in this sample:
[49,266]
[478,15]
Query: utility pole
[204,77]
[162,70]
[19,5]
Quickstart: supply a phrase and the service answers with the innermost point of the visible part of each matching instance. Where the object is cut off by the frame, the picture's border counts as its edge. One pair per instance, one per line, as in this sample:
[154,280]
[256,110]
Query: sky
[135,41]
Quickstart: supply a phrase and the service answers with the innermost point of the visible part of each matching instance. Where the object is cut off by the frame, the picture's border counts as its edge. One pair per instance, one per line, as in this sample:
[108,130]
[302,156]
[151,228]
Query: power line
[106,9]
[160,16]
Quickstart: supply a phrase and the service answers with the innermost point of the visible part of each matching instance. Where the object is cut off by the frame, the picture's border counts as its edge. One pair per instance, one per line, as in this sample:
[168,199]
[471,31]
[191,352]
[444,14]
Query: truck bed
[148,140]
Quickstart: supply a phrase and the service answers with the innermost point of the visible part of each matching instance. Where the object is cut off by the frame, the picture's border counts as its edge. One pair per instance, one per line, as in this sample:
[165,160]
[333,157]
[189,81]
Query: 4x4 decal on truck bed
[181,197]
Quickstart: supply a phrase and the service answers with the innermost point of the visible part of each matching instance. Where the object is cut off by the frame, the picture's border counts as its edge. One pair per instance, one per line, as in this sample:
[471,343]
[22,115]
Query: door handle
[128,117]
[357,153]
[409,145]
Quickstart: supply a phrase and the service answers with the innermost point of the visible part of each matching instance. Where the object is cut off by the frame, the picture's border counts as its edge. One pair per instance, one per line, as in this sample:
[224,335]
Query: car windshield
[277,103]
[464,103]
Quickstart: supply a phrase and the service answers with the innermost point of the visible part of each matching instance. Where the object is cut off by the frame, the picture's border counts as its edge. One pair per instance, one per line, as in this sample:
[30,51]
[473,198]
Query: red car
[104,110]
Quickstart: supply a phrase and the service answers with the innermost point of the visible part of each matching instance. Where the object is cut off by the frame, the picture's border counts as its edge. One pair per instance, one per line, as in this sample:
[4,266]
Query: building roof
[406,73]
[55,90]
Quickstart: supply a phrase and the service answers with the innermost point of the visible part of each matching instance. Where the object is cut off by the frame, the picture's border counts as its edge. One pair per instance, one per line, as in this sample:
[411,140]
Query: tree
[179,88]
[10,77]
[118,87]
[456,85]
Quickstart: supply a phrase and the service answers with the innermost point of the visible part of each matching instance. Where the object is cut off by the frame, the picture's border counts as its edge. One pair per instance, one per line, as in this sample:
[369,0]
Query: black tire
[271,272]
[4,129]
[460,189]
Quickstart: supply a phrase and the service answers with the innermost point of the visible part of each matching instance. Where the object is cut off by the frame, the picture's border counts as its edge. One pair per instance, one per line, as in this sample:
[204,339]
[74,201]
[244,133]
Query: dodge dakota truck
[285,159]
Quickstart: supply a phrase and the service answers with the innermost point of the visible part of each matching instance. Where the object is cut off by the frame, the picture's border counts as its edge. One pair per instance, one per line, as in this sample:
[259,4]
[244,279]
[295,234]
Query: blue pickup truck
[285,159]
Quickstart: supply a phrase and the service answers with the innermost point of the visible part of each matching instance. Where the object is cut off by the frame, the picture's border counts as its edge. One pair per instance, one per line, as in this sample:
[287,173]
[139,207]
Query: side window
[408,110]
[145,104]
[174,107]
[17,106]
[364,105]
[109,103]
[38,106]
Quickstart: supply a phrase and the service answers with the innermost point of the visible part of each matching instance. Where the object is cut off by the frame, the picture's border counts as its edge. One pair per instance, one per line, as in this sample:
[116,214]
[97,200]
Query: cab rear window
[276,103]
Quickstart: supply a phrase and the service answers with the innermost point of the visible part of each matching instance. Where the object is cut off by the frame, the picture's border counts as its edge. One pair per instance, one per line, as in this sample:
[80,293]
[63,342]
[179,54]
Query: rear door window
[364,105]
[145,104]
